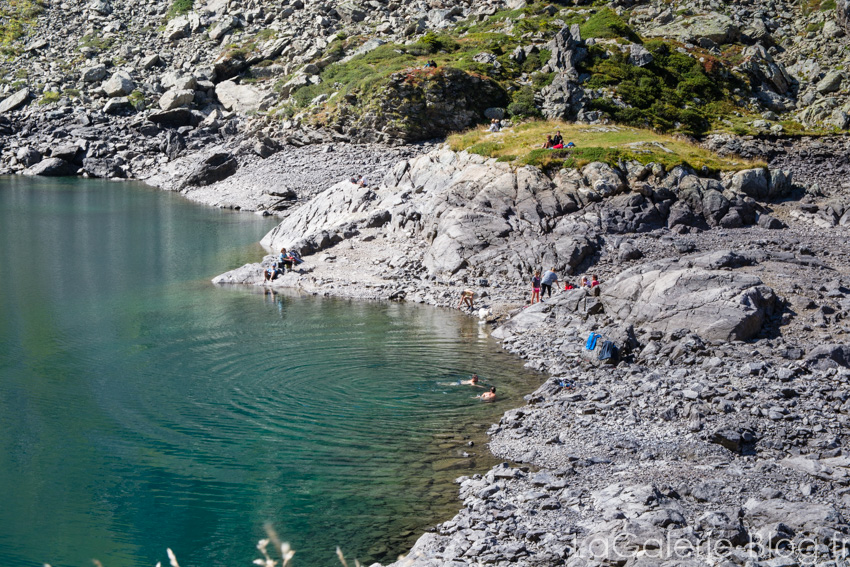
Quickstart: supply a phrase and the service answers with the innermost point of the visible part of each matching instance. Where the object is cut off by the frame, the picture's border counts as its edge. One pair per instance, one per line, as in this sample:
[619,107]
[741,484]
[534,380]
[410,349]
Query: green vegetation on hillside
[677,92]
[674,92]
[15,17]
[521,145]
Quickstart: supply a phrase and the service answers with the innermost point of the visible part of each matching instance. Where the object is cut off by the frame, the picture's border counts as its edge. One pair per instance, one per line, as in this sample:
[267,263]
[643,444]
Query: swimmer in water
[488,396]
[473,381]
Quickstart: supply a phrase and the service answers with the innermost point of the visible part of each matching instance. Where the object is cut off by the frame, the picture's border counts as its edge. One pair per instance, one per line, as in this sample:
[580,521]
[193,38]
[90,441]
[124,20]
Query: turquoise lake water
[142,408]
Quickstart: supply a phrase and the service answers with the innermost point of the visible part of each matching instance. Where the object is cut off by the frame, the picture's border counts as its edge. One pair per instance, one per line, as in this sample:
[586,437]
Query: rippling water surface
[143,408]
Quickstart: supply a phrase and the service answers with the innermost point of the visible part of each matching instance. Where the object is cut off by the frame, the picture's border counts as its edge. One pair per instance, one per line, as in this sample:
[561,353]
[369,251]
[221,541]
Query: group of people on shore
[539,285]
[284,261]
[556,142]
[543,285]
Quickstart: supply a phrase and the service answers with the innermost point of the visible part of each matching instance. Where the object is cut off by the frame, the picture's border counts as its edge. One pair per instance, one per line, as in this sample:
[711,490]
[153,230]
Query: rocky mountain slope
[112,88]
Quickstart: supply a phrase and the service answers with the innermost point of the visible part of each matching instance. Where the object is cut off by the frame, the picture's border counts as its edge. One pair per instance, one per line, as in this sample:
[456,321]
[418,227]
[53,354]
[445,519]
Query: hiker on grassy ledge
[547,145]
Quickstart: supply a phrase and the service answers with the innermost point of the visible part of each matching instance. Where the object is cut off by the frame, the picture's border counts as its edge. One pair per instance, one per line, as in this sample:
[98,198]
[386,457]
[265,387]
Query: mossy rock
[421,104]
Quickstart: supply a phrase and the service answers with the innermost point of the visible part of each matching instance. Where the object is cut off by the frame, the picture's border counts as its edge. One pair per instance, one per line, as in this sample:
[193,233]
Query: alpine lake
[143,408]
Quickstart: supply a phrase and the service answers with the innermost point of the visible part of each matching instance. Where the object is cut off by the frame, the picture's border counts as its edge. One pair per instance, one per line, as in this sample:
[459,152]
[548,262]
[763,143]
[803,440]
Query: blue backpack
[591,341]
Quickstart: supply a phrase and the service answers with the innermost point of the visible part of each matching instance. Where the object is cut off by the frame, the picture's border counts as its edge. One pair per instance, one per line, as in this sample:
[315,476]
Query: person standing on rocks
[535,287]
[549,279]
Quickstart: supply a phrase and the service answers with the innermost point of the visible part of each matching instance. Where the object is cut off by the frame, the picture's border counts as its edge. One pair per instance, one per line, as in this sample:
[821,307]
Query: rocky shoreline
[724,418]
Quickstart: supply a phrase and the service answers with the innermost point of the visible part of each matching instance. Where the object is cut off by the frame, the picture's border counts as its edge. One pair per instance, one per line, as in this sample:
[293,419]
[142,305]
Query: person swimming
[488,396]
[473,381]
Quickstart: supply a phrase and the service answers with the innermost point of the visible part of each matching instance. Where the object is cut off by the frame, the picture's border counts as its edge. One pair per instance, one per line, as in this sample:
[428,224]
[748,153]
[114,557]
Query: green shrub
[523,105]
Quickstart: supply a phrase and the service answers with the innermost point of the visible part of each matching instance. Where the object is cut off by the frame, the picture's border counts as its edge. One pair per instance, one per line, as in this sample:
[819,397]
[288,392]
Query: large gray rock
[762,184]
[173,118]
[178,28]
[14,101]
[223,26]
[239,98]
[716,27]
[28,156]
[829,356]
[842,14]
[52,167]
[176,98]
[567,50]
[94,73]
[213,169]
[830,83]
[120,84]
[799,516]
[719,306]
[639,55]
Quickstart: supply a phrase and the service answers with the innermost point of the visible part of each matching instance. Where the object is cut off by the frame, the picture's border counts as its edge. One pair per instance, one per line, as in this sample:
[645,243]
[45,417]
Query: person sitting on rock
[584,282]
[558,140]
[568,286]
[284,261]
[594,282]
[270,273]
[494,126]
[547,145]
[488,396]
[467,297]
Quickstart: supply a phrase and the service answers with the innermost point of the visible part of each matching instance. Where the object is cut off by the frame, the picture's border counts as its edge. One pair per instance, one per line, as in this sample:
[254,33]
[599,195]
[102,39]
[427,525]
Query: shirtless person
[488,396]
[466,297]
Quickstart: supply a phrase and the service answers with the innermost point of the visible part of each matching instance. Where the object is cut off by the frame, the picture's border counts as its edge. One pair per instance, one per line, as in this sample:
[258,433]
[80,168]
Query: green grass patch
[606,24]
[521,145]
[179,7]
[49,97]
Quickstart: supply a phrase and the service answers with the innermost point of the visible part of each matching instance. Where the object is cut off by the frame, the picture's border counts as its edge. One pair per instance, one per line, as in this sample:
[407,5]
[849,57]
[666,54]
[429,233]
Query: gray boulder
[175,98]
[240,98]
[829,356]
[716,27]
[719,306]
[52,167]
[174,118]
[103,167]
[120,84]
[14,101]
[830,83]
[118,105]
[213,169]
[799,516]
[94,74]
[762,184]
[567,50]
[639,55]
[28,156]
[842,14]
